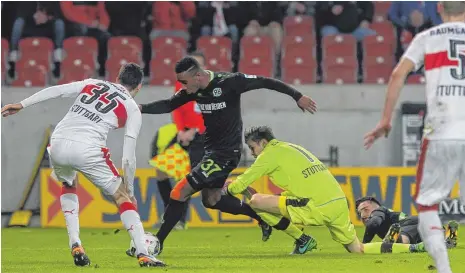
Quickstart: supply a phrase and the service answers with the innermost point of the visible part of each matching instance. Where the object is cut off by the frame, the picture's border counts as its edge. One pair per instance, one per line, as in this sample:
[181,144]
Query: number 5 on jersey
[209,167]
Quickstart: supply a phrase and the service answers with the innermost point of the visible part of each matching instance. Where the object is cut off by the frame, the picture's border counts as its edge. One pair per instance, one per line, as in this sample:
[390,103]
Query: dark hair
[130,75]
[198,54]
[453,8]
[258,133]
[186,64]
[366,198]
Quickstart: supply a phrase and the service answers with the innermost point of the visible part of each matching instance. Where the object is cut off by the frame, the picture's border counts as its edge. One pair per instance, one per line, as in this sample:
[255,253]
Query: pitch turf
[203,250]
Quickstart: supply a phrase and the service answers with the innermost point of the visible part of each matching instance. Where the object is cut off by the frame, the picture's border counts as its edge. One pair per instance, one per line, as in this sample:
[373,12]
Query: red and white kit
[442,161]
[78,142]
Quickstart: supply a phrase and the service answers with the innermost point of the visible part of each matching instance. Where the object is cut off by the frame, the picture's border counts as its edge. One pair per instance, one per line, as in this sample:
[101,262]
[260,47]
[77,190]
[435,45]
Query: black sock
[233,205]
[164,187]
[173,213]
[184,213]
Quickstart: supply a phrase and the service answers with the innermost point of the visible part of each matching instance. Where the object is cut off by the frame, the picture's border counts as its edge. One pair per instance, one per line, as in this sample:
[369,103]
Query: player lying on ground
[311,197]
[395,227]
[441,50]
[218,96]
[78,143]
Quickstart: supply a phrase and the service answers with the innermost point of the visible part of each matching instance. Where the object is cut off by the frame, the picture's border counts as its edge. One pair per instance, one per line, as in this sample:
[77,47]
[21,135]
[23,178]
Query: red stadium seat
[299,75]
[257,46]
[332,61]
[378,45]
[340,74]
[4,58]
[162,76]
[298,50]
[33,59]
[84,59]
[341,45]
[80,44]
[125,46]
[386,30]
[215,47]
[382,7]
[36,44]
[257,66]
[215,64]
[76,73]
[31,77]
[387,60]
[298,25]
[377,74]
[162,42]
[416,79]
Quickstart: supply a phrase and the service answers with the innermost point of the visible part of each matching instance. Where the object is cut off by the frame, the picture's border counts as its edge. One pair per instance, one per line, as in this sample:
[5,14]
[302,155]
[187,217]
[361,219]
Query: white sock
[431,232]
[132,223]
[70,207]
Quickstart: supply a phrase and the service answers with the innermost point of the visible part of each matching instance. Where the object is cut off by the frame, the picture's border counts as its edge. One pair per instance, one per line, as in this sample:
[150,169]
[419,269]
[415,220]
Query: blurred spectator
[345,17]
[301,8]
[172,18]
[38,19]
[8,17]
[265,18]
[219,18]
[432,13]
[89,18]
[409,15]
[133,23]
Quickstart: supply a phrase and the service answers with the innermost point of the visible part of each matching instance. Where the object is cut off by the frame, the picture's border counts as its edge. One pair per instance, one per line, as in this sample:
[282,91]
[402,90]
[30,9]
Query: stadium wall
[345,114]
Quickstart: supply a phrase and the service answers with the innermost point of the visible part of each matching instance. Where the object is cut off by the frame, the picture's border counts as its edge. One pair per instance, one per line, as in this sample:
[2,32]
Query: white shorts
[441,164]
[69,156]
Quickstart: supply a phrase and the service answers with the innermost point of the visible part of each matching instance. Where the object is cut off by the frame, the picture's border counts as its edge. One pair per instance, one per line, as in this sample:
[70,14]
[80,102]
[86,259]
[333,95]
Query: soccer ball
[152,243]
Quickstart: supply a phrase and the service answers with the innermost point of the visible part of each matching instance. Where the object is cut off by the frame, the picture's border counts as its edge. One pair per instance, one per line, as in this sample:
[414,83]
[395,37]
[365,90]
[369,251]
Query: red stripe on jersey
[103,98]
[87,89]
[121,114]
[438,60]
[106,155]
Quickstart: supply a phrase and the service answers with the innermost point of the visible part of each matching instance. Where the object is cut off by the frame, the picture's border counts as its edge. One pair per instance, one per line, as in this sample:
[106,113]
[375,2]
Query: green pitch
[203,250]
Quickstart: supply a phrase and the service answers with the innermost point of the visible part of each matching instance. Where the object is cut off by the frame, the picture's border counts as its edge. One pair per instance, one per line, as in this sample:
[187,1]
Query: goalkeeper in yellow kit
[311,197]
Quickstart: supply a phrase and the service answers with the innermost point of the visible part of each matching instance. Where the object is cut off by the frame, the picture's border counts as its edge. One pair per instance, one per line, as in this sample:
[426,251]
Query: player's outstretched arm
[256,82]
[166,106]
[64,90]
[413,58]
[133,125]
[262,166]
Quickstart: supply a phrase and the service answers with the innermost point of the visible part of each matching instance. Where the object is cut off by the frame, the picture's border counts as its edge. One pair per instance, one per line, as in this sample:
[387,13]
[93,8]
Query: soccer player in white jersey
[441,50]
[78,144]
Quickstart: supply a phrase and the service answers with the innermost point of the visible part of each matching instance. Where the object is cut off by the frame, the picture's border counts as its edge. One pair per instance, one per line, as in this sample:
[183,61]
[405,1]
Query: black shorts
[196,150]
[213,169]
[409,228]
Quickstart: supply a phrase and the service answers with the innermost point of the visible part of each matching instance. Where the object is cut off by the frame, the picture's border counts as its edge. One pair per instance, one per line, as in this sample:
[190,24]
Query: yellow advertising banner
[394,187]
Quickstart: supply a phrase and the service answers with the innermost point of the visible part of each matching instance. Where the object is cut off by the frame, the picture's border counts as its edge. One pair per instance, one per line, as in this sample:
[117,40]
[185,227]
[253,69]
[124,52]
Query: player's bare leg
[269,207]
[132,223]
[214,199]
[70,206]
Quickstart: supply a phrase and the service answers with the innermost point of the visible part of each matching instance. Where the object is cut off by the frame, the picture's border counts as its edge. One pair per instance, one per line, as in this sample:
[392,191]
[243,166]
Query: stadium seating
[162,70]
[76,73]
[297,59]
[163,42]
[298,25]
[217,52]
[257,46]
[257,66]
[125,47]
[113,64]
[5,49]
[416,79]
[377,74]
[33,76]
[80,44]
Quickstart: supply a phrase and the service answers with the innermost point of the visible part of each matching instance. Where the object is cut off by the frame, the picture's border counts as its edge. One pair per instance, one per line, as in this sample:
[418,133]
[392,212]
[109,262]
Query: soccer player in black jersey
[394,227]
[218,95]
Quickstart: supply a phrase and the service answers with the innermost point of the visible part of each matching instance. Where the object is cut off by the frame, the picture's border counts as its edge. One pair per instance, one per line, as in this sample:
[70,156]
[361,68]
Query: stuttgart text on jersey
[85,113]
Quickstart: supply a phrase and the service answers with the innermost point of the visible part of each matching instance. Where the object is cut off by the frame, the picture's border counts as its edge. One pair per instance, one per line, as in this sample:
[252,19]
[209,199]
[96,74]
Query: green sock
[378,248]
[273,220]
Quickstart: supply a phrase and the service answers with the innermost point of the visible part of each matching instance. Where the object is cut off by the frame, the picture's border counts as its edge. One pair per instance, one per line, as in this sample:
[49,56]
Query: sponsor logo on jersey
[208,108]
[217,92]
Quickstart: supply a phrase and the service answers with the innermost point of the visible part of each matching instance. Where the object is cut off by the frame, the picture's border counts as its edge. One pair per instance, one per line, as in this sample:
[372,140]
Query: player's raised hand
[11,109]
[382,129]
[306,103]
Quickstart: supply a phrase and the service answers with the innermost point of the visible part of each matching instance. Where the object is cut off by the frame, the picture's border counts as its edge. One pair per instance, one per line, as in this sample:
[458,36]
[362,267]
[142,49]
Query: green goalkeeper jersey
[295,170]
